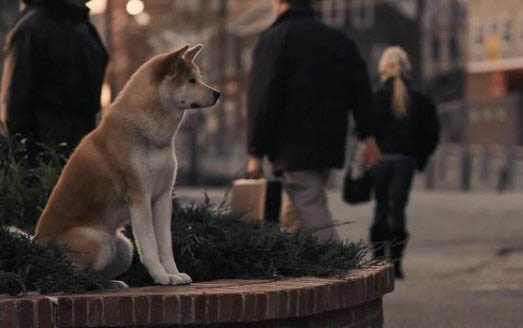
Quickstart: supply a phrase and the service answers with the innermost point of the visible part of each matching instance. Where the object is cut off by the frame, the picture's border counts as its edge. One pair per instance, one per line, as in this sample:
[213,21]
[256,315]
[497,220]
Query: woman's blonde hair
[395,63]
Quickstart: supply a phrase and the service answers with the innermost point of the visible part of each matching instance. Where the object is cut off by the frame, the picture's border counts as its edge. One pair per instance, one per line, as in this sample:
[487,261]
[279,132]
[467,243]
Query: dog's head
[179,81]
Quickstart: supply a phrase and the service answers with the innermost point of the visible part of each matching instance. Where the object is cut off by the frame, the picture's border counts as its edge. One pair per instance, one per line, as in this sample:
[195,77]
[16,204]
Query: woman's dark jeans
[392,180]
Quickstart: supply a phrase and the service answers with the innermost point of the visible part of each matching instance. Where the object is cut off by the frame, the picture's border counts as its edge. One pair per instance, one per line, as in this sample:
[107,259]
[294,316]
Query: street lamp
[97,6]
[135,7]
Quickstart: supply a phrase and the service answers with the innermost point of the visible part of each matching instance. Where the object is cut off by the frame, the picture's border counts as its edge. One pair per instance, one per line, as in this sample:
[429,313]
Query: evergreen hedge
[209,242]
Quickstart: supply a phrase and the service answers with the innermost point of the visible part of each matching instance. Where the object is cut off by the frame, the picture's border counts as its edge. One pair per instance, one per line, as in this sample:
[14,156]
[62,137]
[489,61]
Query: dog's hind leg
[120,262]
[97,250]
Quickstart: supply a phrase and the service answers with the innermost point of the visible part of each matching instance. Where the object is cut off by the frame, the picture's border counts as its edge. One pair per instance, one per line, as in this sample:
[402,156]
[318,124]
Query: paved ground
[464,263]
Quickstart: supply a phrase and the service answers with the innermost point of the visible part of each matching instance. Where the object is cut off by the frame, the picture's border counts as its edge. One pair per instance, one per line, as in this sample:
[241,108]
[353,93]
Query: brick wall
[353,300]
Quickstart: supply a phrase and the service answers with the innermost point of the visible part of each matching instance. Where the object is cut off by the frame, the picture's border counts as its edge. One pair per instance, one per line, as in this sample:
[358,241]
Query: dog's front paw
[179,279]
[163,279]
[186,278]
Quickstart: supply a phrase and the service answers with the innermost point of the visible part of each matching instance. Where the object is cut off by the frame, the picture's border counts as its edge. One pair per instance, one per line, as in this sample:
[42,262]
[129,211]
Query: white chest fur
[157,167]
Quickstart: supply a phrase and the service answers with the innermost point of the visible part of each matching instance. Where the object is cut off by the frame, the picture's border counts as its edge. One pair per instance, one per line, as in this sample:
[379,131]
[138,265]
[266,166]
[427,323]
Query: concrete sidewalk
[464,263]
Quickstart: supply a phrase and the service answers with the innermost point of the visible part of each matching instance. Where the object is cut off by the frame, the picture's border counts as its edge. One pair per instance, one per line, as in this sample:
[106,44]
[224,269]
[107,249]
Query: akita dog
[124,171]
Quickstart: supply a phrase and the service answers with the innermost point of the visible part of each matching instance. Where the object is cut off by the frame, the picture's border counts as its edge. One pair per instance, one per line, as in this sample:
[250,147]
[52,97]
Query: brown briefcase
[256,199]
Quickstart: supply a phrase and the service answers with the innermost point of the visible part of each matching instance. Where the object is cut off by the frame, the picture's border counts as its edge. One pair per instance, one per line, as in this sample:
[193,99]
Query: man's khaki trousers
[306,207]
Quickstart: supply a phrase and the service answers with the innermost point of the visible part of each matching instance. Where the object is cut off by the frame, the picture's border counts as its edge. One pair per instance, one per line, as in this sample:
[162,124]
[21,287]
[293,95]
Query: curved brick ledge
[353,300]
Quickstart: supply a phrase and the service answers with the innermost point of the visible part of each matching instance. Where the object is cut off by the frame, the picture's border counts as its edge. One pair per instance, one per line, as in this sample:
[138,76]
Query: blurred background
[468,55]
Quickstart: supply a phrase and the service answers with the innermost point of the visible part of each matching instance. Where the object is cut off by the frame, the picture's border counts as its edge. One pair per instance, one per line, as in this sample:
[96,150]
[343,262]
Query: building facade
[495,72]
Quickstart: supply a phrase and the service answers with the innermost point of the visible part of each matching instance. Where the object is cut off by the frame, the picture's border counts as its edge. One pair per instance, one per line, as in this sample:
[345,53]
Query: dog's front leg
[162,217]
[143,230]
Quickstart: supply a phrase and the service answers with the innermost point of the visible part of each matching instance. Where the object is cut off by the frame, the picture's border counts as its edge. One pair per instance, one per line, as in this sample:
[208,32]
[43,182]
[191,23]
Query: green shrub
[24,189]
[212,244]
[209,243]
[25,266]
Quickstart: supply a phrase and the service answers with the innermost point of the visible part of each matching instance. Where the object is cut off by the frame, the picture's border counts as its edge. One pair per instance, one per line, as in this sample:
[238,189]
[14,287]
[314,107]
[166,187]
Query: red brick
[342,289]
[80,312]
[250,307]
[65,312]
[7,314]
[305,302]
[273,305]
[111,313]
[224,314]
[334,292]
[312,301]
[284,303]
[26,313]
[212,308]
[95,312]
[370,287]
[302,302]
[171,304]
[293,303]
[157,309]
[261,306]
[390,279]
[354,293]
[382,282]
[186,309]
[141,310]
[322,298]
[361,313]
[125,308]
[44,311]
[237,308]
[200,306]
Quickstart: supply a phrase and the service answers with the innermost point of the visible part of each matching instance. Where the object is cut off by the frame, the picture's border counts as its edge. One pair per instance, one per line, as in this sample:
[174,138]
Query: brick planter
[350,301]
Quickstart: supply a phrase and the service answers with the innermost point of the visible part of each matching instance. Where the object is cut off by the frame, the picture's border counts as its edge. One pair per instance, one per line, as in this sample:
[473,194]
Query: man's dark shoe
[398,271]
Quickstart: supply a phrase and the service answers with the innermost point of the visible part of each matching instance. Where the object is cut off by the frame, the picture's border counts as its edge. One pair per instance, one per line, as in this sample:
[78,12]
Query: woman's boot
[397,249]
[379,241]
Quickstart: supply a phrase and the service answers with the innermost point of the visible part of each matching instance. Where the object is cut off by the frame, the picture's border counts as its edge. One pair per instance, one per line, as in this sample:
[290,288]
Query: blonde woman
[407,132]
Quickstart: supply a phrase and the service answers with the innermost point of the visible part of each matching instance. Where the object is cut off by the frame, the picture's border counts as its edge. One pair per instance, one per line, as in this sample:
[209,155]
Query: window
[494,28]
[436,48]
[362,14]
[334,12]
[453,47]
[479,35]
[507,31]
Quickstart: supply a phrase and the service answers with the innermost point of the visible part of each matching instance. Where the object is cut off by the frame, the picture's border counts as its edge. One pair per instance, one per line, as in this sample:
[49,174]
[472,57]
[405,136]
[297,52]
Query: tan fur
[124,171]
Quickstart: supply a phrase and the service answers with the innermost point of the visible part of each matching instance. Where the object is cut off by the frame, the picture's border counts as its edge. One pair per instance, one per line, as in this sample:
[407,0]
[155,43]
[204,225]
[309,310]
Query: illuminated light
[105,98]
[97,6]
[135,7]
[143,19]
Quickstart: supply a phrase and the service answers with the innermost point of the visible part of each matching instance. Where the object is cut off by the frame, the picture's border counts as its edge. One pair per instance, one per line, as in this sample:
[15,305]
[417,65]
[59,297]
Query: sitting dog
[124,171]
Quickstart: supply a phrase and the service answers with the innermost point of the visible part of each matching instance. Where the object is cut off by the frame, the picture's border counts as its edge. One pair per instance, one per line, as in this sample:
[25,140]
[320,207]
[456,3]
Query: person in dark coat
[407,133]
[53,73]
[305,79]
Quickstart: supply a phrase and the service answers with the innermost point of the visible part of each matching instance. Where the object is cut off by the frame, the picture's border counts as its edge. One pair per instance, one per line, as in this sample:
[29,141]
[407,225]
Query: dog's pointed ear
[192,53]
[173,59]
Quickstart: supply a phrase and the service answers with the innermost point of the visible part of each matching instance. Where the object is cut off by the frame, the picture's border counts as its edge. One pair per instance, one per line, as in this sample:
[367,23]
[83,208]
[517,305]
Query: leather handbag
[357,183]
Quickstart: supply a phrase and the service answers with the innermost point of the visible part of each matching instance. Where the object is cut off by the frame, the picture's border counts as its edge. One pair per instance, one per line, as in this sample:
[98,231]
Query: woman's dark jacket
[53,73]
[415,135]
[306,77]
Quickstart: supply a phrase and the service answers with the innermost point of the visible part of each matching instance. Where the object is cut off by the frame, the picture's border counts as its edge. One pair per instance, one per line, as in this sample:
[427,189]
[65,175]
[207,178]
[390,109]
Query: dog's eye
[193,80]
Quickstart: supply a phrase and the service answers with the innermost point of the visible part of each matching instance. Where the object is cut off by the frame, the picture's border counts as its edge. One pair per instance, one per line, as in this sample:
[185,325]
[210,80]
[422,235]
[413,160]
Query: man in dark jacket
[305,79]
[53,72]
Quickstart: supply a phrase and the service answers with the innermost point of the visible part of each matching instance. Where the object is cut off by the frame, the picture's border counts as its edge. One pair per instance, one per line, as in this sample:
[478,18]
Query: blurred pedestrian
[53,73]
[305,79]
[407,133]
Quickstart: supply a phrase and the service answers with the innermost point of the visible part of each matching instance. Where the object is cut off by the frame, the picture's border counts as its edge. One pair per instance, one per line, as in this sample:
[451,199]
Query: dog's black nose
[216,94]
